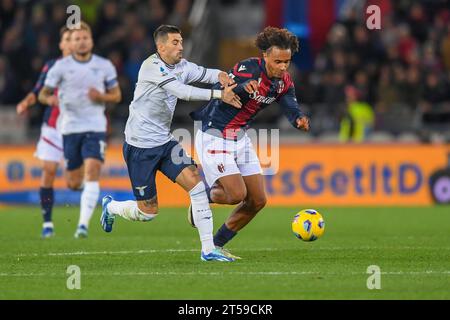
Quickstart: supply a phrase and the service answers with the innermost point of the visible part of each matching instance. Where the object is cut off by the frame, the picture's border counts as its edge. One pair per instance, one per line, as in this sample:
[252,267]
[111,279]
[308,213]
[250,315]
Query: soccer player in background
[50,146]
[150,147]
[85,83]
[228,159]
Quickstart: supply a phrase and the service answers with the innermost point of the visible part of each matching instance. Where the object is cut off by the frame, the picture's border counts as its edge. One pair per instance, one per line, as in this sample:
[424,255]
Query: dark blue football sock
[47,199]
[223,235]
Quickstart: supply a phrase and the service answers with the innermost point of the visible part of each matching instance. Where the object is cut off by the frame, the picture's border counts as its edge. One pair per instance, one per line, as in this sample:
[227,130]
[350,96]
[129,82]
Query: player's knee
[49,172]
[256,204]
[74,184]
[236,195]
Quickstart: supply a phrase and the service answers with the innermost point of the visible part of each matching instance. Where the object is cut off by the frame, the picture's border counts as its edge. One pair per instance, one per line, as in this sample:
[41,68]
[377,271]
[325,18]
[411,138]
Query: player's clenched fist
[95,95]
[303,123]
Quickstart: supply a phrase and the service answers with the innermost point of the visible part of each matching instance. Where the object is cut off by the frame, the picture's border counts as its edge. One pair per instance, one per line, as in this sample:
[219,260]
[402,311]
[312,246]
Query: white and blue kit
[82,121]
[149,145]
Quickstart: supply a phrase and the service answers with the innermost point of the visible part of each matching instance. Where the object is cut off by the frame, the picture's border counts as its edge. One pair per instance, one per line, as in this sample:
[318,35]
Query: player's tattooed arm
[113,95]
[47,97]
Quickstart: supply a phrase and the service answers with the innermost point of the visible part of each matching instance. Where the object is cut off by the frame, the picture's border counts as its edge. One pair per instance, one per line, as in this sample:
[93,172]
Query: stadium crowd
[402,72]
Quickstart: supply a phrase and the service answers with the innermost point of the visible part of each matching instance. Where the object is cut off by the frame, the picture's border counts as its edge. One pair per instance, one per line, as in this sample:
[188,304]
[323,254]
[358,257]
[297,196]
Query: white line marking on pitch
[261,273]
[82,253]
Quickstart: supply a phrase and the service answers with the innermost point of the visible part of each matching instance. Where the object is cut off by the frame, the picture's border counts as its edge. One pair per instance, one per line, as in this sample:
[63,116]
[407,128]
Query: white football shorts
[50,145]
[221,157]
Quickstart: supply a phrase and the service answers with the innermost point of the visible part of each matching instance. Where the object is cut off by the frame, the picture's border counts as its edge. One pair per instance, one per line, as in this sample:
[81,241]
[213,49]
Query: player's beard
[83,53]
[178,57]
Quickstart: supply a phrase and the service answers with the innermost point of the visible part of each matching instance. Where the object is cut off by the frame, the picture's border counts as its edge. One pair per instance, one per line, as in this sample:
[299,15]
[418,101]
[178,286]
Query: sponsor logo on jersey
[262,99]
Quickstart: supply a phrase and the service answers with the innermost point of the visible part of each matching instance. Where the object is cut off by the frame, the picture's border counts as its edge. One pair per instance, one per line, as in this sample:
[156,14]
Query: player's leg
[255,199]
[228,190]
[89,194]
[142,165]
[222,174]
[49,151]
[75,178]
[47,195]
[93,146]
[180,168]
[74,169]
[244,212]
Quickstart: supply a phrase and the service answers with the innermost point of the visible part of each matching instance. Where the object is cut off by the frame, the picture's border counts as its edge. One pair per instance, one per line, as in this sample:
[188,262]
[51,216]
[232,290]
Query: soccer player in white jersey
[85,83]
[49,149]
[149,146]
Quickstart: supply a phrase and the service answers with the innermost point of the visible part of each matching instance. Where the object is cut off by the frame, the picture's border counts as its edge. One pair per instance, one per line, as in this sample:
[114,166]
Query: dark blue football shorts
[143,163]
[79,146]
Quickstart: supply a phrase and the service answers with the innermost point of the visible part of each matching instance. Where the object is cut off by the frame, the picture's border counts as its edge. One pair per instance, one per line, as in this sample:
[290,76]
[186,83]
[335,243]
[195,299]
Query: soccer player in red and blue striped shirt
[49,148]
[229,162]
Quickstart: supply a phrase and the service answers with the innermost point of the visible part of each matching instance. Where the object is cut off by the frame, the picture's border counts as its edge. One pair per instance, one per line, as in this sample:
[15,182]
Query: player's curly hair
[276,37]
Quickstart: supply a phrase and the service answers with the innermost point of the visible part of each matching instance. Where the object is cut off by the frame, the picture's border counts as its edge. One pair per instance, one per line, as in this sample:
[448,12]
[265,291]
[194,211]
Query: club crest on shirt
[163,72]
[280,86]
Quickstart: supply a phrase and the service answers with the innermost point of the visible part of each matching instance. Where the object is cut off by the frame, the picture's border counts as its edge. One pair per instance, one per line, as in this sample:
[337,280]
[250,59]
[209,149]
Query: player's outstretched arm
[191,93]
[47,97]
[113,95]
[25,103]
[292,111]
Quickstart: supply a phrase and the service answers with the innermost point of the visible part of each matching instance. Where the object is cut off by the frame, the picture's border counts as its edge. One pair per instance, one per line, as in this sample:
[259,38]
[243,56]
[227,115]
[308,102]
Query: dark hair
[275,37]
[163,30]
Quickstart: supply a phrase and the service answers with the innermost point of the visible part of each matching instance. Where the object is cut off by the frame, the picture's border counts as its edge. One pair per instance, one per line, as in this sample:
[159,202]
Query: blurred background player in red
[50,147]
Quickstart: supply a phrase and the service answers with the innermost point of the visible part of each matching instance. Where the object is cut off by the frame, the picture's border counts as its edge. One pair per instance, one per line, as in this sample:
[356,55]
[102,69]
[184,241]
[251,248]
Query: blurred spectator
[8,90]
[445,49]
[435,92]
[358,122]
[413,87]
[405,63]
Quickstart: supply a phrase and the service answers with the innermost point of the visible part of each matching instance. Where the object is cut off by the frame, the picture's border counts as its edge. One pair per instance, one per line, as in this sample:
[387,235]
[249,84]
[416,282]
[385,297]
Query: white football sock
[202,215]
[89,198]
[129,210]
[47,225]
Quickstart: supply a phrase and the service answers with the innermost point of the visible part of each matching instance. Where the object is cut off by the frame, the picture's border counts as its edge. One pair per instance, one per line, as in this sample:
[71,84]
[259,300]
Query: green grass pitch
[160,259]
